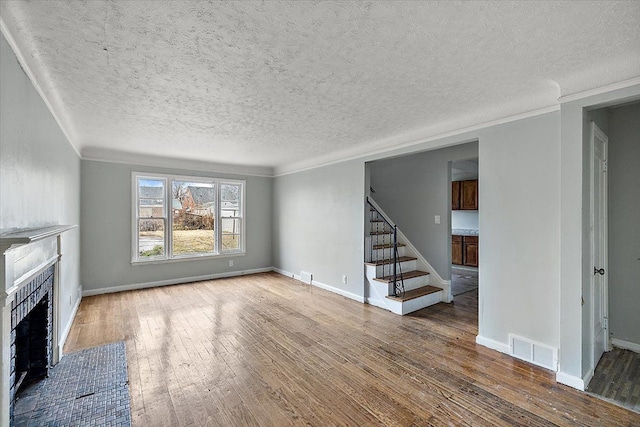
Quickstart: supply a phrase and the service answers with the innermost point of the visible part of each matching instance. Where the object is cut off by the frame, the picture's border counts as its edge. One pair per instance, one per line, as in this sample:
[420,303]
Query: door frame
[467,176]
[596,132]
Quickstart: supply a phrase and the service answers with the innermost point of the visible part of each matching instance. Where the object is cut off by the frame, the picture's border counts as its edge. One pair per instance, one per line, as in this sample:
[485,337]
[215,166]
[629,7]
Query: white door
[599,243]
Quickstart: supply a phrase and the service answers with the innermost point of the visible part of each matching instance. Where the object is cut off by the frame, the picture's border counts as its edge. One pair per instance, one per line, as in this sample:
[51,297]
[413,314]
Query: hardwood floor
[265,350]
[617,378]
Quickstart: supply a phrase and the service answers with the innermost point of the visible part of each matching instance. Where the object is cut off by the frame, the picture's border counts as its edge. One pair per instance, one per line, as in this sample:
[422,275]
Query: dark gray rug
[87,388]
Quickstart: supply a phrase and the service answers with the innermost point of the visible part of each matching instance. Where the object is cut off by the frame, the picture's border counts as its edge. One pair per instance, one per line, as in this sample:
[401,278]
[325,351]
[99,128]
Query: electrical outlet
[437,219]
[344,279]
[230,263]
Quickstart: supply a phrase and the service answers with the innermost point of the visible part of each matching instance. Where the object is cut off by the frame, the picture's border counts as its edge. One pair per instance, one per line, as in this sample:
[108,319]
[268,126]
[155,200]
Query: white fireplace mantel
[24,254]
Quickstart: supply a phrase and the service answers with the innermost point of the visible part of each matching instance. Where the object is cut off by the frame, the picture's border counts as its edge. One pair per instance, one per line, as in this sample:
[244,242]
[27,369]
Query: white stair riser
[416,282]
[387,269]
[422,302]
[387,289]
[387,252]
[370,272]
[410,284]
[410,306]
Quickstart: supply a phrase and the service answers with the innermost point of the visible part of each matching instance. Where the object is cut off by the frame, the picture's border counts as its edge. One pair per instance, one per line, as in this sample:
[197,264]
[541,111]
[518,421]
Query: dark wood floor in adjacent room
[268,350]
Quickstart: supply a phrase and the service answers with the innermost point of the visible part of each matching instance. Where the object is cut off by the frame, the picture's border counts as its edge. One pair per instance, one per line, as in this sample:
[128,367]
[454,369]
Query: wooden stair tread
[379,233]
[390,260]
[387,246]
[416,293]
[405,276]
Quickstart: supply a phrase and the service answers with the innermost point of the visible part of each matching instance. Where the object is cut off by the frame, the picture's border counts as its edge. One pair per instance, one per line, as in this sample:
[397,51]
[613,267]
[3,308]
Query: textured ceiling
[288,84]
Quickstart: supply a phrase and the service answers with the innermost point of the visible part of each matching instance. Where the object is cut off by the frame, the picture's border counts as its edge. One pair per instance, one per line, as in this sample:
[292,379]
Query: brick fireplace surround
[29,308]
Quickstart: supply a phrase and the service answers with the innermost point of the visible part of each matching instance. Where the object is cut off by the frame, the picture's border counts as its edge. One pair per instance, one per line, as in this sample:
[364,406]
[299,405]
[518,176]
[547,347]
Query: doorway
[599,241]
[614,338]
[465,228]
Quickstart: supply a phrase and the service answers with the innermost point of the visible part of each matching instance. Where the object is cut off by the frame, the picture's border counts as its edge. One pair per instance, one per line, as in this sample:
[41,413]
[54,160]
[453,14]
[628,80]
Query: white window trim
[167,212]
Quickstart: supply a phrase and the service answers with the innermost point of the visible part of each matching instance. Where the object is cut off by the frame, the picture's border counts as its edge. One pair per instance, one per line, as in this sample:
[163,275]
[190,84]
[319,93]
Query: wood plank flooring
[617,378]
[265,350]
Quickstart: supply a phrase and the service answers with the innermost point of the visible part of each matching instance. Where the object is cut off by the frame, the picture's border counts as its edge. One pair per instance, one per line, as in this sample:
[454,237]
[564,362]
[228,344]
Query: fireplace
[31,333]
[29,310]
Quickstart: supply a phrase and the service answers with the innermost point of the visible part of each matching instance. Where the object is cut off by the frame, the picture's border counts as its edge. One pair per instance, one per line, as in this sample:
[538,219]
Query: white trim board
[287,273]
[171,163]
[338,291]
[587,377]
[570,380]
[492,344]
[368,154]
[168,282]
[67,329]
[599,90]
[27,70]
[627,345]
[321,285]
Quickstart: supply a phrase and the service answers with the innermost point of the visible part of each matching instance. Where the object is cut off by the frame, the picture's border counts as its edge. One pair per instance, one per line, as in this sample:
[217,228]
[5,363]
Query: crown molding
[174,163]
[599,90]
[31,76]
[418,144]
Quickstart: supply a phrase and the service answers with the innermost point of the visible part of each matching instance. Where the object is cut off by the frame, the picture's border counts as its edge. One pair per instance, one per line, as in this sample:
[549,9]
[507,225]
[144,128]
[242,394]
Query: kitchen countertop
[464,232]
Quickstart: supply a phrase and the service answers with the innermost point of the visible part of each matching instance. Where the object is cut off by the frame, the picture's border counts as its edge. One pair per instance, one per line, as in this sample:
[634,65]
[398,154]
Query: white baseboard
[587,377]
[65,332]
[570,380]
[446,294]
[135,286]
[286,273]
[338,291]
[492,344]
[322,286]
[376,303]
[627,345]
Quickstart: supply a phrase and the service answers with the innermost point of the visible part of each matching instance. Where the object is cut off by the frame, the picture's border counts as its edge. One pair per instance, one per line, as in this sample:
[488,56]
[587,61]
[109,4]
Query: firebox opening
[32,346]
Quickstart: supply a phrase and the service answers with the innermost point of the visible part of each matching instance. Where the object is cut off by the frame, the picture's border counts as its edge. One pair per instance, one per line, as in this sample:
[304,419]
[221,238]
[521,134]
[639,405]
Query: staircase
[393,277]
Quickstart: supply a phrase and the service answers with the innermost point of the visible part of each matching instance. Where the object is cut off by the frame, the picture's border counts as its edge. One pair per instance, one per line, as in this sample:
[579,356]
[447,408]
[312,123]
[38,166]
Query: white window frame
[168,218]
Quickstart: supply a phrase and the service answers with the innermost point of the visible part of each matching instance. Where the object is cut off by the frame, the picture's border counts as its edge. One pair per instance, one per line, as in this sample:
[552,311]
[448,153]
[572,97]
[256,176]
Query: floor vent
[305,277]
[533,352]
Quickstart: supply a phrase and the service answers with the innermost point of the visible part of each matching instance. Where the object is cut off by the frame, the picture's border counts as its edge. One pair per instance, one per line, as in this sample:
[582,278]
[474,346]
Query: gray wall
[106,236]
[39,171]
[624,223]
[412,190]
[318,225]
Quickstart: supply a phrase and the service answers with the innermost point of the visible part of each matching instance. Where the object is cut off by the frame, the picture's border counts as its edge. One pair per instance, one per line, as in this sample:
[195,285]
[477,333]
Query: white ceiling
[285,85]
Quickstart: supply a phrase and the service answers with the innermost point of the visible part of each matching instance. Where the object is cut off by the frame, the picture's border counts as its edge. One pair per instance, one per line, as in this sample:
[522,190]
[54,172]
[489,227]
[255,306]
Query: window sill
[188,258]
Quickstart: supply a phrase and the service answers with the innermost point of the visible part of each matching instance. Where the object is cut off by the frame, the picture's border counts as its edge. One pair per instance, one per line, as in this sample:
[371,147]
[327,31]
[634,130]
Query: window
[186,217]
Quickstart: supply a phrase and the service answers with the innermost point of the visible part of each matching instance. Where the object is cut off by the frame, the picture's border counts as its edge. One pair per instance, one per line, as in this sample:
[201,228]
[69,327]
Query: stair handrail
[398,285]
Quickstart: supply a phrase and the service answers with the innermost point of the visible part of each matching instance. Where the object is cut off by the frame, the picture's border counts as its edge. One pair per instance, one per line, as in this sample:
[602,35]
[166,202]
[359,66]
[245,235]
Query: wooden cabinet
[455,195]
[464,250]
[470,251]
[469,195]
[464,195]
[456,250]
